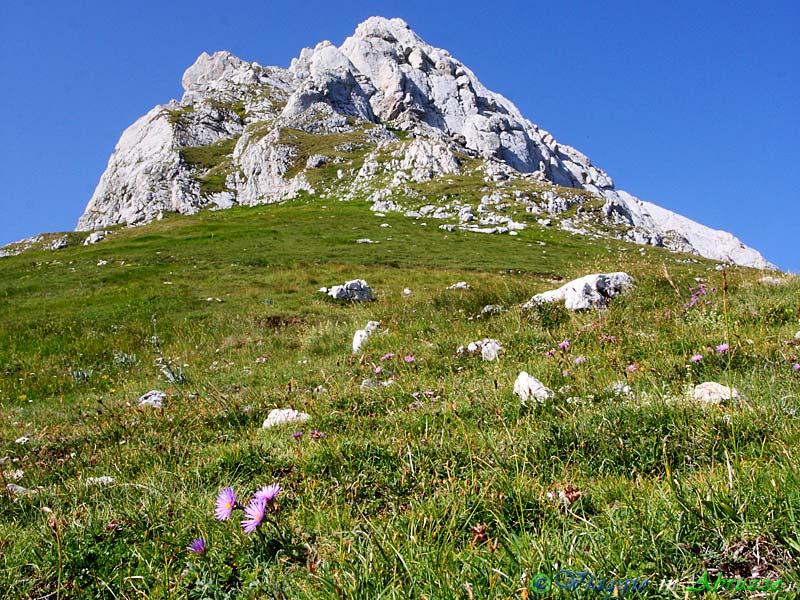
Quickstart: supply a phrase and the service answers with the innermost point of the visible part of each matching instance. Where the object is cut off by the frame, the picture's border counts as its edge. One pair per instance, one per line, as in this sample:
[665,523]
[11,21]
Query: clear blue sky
[692,105]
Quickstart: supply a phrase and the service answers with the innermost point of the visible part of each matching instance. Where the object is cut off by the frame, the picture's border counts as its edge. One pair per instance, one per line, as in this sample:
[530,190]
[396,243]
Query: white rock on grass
[461,285]
[94,237]
[590,291]
[154,398]
[527,387]
[283,416]
[356,290]
[102,480]
[711,392]
[17,490]
[797,335]
[771,280]
[362,334]
[488,348]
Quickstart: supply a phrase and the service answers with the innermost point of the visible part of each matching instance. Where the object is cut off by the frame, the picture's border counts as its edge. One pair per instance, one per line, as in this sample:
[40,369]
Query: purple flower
[723,348]
[551,352]
[564,345]
[565,373]
[226,502]
[378,370]
[631,368]
[409,358]
[388,356]
[696,358]
[254,514]
[197,546]
[297,435]
[315,434]
[268,492]
[796,367]
[580,360]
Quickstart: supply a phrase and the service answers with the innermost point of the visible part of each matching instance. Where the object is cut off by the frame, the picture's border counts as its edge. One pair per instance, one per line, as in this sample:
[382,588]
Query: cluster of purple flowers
[254,511]
[697,292]
[314,433]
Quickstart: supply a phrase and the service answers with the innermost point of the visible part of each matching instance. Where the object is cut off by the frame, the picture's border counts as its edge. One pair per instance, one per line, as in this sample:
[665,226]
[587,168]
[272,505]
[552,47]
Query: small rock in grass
[797,335]
[488,348]
[102,480]
[282,416]
[590,291]
[362,334]
[22,440]
[711,392]
[17,490]
[153,398]
[461,285]
[356,290]
[94,237]
[366,241]
[529,387]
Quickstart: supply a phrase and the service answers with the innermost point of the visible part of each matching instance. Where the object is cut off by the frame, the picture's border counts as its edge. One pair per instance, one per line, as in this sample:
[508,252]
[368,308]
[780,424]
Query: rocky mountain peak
[392,112]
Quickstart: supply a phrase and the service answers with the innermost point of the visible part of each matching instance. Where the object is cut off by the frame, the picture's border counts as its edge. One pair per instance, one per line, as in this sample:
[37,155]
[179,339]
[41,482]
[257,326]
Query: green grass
[435,486]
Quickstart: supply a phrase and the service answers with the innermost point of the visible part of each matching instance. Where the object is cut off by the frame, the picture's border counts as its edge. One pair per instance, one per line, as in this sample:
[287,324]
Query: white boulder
[283,416]
[362,334]
[94,237]
[528,387]
[356,290]
[488,348]
[460,285]
[154,398]
[711,392]
[590,291]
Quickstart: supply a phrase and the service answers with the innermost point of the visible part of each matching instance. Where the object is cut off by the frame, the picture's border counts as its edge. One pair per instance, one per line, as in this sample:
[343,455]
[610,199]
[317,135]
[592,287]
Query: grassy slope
[393,500]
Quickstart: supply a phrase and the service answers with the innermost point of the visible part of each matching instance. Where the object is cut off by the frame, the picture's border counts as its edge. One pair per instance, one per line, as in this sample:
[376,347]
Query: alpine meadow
[358,329]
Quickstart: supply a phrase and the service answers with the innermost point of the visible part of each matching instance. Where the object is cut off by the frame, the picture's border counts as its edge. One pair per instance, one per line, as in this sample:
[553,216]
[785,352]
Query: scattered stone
[488,348]
[17,490]
[369,384]
[461,285]
[529,387]
[407,292]
[94,237]
[714,393]
[23,440]
[102,480]
[153,398]
[356,290]
[591,291]
[362,334]
[366,241]
[771,280]
[316,160]
[283,416]
[60,243]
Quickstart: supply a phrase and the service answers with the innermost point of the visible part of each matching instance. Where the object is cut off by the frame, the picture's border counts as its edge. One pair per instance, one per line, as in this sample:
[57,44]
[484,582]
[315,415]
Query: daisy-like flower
[268,492]
[297,435]
[796,367]
[551,352]
[564,345]
[696,358]
[254,514]
[197,546]
[408,358]
[580,360]
[631,368]
[723,348]
[316,434]
[387,356]
[226,502]
[378,370]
